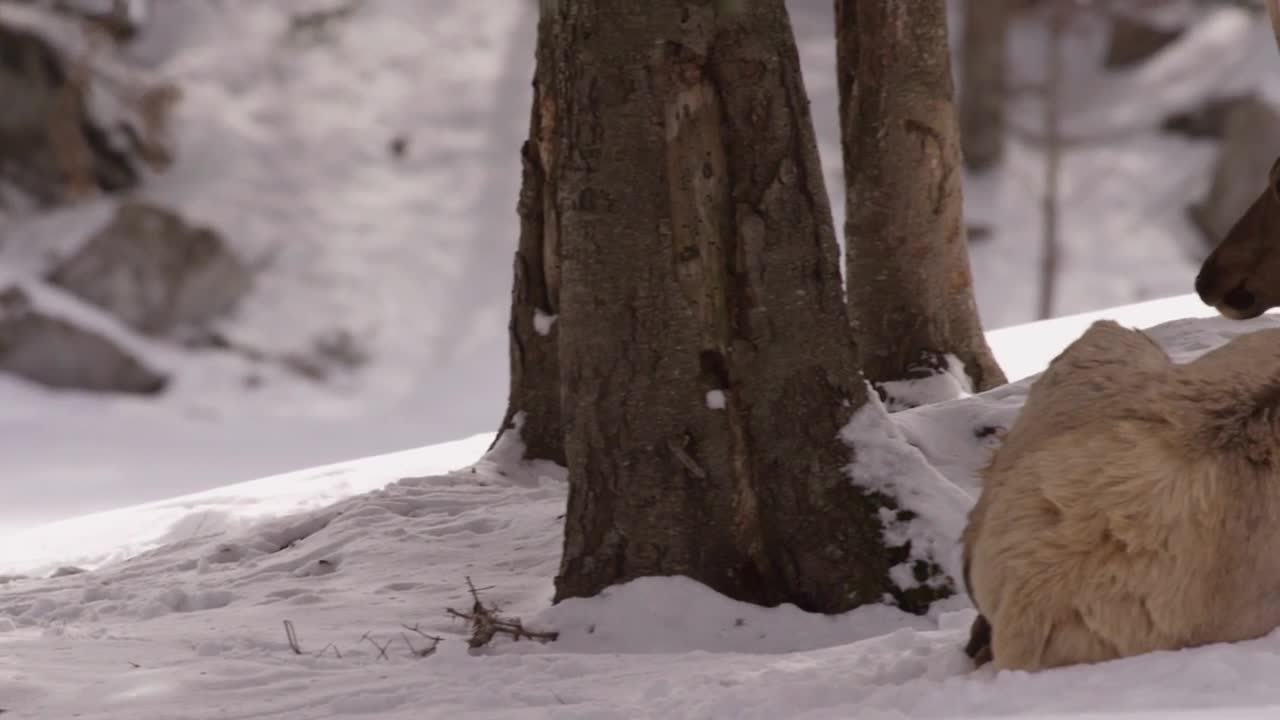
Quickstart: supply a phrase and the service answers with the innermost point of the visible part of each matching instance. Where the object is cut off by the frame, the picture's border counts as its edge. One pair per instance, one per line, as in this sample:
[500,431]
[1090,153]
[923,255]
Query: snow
[885,462]
[950,381]
[285,143]
[181,611]
[92,540]
[542,322]
[1027,349]
[716,399]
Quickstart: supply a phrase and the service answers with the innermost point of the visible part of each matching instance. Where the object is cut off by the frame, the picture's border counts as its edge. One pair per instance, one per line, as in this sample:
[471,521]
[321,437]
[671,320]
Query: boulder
[155,272]
[1250,144]
[46,151]
[73,125]
[56,353]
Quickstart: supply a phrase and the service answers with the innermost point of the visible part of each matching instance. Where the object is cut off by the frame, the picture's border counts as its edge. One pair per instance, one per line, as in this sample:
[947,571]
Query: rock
[57,147]
[1133,41]
[121,21]
[155,272]
[48,153]
[1250,144]
[1206,120]
[56,353]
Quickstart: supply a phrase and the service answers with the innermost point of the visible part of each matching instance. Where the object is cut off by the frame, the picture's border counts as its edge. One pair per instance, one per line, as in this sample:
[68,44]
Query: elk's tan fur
[1134,506]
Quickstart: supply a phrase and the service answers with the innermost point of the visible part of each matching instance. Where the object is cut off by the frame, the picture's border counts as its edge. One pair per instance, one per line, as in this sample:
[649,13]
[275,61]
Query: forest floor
[182,609]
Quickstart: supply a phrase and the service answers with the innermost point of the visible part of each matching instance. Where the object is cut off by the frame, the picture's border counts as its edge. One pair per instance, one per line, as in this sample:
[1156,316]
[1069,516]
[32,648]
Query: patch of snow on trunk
[716,399]
[945,383]
[937,509]
[542,322]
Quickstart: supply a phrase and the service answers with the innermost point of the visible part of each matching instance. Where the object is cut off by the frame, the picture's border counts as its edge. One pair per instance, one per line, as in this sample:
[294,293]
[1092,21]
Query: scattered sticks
[486,624]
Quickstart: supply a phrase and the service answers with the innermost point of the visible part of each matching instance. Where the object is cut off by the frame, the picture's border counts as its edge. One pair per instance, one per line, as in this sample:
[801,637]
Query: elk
[1134,506]
[1234,278]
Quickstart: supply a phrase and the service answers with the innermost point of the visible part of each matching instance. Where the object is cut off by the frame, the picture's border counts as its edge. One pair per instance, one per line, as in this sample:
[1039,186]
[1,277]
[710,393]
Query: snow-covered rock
[55,352]
[77,118]
[156,272]
[1134,40]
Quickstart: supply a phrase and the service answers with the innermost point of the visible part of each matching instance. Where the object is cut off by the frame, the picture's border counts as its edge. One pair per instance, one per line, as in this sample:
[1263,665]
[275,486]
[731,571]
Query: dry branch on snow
[487,624]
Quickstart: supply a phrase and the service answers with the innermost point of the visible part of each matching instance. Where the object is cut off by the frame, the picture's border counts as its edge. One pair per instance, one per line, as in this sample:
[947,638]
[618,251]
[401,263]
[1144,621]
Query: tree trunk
[982,86]
[705,356]
[910,291]
[533,407]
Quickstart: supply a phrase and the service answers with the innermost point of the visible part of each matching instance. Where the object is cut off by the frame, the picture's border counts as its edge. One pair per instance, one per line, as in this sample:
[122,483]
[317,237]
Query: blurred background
[242,237]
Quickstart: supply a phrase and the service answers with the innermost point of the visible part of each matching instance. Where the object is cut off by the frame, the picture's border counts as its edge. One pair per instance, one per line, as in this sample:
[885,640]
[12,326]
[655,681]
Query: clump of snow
[884,462]
[542,322]
[957,437]
[947,382]
[716,400]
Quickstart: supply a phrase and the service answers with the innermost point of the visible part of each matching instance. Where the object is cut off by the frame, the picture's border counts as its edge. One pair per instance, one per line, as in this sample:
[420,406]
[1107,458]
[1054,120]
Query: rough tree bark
[910,291]
[533,407]
[706,361]
[982,85]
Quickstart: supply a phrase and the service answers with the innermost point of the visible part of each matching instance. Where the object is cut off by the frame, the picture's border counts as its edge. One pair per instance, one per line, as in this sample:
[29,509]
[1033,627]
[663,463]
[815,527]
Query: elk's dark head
[1241,277]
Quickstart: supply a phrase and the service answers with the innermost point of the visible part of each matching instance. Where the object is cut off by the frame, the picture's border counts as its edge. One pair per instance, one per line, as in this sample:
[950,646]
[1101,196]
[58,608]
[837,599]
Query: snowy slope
[194,628]
[284,146]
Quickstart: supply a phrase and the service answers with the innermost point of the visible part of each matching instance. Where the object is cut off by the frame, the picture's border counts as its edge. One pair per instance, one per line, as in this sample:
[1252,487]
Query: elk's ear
[1275,178]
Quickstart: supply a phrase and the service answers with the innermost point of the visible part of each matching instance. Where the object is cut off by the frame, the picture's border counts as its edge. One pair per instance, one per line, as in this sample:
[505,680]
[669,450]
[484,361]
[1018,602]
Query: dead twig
[487,624]
[420,652]
[382,649]
[292,636]
[325,649]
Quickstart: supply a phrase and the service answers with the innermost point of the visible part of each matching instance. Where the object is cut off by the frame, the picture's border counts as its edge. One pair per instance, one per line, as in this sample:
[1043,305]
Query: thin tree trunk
[1052,157]
[706,360]
[533,407]
[982,87]
[910,290]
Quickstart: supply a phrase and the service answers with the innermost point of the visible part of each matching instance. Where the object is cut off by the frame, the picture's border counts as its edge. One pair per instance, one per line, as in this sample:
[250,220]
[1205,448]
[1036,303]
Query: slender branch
[1053,156]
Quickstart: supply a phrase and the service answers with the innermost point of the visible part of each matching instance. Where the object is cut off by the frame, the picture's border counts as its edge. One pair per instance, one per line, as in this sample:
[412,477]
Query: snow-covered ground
[284,141]
[182,612]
